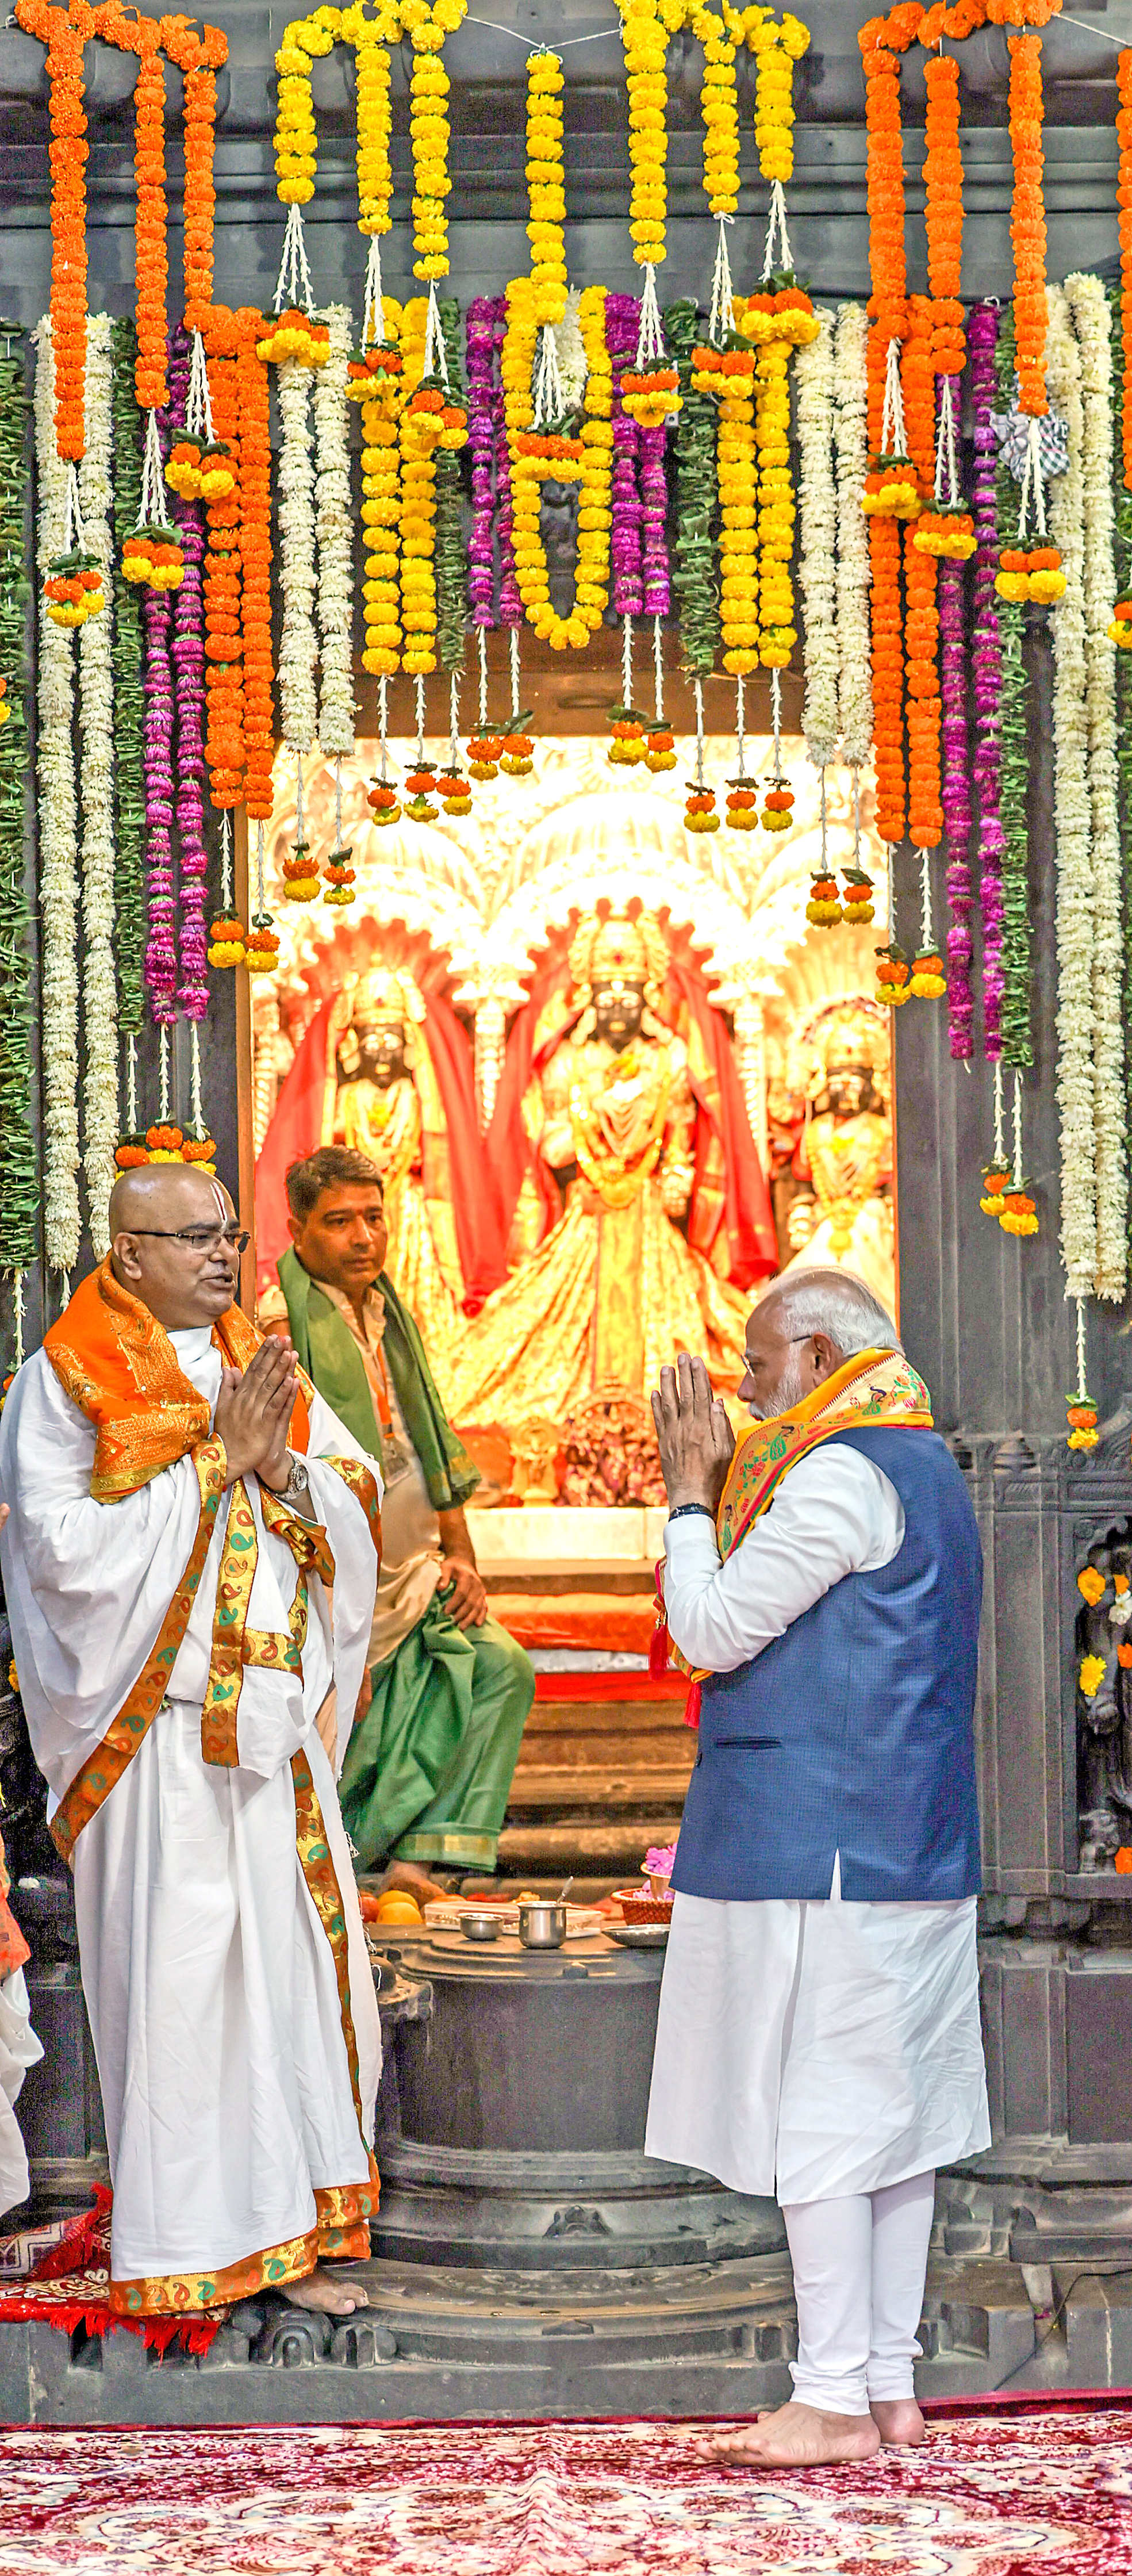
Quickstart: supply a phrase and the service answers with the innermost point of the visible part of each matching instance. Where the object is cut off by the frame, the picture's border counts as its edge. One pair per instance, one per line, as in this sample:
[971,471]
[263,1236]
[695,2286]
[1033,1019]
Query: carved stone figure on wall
[387,1069]
[629,1141]
[1104,1699]
[843,1213]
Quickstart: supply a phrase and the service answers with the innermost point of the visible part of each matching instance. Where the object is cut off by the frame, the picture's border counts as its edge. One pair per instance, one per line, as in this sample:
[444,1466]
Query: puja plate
[638,1936]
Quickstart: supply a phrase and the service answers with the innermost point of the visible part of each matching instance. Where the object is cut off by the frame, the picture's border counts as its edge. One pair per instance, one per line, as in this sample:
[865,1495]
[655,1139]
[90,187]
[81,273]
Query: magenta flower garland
[188,669]
[986,665]
[956,808]
[622,329]
[160,946]
[639,544]
[492,522]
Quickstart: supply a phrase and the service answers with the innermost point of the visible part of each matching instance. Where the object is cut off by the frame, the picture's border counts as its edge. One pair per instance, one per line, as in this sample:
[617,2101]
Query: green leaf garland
[695,580]
[1017,939]
[19,1179]
[129,701]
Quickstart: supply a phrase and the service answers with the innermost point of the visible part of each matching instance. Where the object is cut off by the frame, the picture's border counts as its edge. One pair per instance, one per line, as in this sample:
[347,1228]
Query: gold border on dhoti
[103,1769]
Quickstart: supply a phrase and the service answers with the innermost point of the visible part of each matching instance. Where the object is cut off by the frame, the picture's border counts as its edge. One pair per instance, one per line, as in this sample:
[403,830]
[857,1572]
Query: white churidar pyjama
[859,2266]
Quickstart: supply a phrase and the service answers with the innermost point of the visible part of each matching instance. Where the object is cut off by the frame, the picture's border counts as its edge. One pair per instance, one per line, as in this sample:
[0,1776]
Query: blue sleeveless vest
[852,1732]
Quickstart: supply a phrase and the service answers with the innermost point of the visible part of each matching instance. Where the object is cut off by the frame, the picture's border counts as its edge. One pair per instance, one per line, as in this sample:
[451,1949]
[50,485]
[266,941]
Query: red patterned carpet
[989,2496]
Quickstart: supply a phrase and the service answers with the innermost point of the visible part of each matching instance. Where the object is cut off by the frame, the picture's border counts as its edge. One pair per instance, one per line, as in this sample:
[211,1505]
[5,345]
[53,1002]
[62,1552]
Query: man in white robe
[190,1567]
[810,2043]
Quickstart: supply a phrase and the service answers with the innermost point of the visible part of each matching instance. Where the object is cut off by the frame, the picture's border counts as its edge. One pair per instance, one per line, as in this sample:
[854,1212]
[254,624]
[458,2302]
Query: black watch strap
[682,1510]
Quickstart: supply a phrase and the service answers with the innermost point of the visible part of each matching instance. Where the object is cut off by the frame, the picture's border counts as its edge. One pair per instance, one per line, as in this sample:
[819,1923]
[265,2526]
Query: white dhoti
[238,2078]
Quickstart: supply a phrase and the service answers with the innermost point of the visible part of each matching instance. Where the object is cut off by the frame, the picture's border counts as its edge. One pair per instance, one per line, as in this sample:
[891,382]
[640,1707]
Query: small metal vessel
[542,1924]
[479,1927]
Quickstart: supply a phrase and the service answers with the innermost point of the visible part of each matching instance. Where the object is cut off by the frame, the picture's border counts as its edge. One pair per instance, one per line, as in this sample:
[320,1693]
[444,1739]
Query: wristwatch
[298,1482]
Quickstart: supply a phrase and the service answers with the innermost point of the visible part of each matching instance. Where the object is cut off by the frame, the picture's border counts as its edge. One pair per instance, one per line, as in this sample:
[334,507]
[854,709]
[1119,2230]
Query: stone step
[579,1843]
[597,1789]
[589,1754]
[566,1717]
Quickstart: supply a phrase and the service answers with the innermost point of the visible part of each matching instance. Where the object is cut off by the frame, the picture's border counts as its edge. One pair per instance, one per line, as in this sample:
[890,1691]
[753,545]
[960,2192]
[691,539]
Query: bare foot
[331,2295]
[415,1881]
[799,2437]
[898,2421]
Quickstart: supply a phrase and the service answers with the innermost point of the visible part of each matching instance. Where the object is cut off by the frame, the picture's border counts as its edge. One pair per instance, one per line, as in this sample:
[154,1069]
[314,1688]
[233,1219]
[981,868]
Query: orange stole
[878,1387]
[117,1363]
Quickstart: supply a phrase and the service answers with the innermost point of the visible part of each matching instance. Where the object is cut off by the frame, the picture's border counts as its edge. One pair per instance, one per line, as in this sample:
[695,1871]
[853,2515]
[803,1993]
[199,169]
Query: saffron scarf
[117,1363]
[878,1388]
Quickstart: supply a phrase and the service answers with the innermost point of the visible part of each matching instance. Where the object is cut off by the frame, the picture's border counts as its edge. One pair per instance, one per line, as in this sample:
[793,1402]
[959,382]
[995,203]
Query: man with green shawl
[428,1770]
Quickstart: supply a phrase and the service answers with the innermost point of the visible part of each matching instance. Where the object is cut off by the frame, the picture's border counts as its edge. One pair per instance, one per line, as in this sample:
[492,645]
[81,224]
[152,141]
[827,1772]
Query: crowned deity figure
[381,1099]
[386,1068]
[844,1212]
[623,1124]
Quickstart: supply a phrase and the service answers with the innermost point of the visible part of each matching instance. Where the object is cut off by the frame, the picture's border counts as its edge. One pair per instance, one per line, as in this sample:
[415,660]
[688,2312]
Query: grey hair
[834,1302]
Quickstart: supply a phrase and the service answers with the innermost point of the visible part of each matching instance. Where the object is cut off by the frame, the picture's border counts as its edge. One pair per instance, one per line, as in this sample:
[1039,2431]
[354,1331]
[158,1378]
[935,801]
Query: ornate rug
[69,2286]
[1013,2494]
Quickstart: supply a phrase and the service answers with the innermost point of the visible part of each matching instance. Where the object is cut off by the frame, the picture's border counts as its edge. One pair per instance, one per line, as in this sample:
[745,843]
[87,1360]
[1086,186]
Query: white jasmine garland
[335,533]
[570,349]
[1072,825]
[851,448]
[58,873]
[1090,310]
[817,511]
[96,798]
[298,647]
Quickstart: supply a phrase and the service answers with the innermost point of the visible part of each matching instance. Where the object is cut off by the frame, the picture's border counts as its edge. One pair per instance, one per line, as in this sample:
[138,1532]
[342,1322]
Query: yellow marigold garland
[737,473]
[419,442]
[545,186]
[776,504]
[381,507]
[534,455]
[427,23]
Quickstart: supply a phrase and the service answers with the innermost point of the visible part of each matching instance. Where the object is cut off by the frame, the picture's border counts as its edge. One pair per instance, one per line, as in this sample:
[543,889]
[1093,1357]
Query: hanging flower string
[986,669]
[187,653]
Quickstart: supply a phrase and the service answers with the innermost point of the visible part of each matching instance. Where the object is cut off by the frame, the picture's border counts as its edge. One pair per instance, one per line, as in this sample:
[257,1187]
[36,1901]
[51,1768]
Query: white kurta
[209,1980]
[808,2049]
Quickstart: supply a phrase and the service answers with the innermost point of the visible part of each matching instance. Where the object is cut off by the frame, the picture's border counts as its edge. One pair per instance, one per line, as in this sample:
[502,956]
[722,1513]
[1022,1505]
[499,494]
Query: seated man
[183,1511]
[428,1770]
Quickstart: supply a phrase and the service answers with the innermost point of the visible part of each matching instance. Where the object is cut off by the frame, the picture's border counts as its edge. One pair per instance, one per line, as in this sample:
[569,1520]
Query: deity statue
[386,1069]
[635,1142]
[844,1213]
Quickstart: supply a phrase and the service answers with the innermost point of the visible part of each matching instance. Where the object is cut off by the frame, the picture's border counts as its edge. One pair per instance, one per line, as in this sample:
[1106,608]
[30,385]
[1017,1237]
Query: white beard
[788,1391]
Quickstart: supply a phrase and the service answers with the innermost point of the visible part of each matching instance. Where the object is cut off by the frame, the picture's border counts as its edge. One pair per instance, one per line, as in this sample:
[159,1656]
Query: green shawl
[326,1348]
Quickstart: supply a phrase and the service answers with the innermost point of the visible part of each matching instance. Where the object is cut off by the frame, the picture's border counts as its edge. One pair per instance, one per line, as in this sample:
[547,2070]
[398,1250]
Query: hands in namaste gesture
[696,1440]
[253,1412]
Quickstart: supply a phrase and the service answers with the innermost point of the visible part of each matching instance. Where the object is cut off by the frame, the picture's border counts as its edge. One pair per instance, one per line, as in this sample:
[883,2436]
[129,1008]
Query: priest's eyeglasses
[200,1238]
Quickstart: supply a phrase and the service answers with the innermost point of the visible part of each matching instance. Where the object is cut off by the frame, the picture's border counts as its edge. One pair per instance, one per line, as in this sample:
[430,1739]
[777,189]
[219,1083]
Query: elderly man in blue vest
[819,2029]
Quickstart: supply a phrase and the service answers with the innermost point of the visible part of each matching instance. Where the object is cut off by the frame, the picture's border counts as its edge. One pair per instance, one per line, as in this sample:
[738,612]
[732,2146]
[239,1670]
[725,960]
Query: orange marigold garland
[1031,568]
[223,643]
[64,38]
[886,492]
[255,565]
